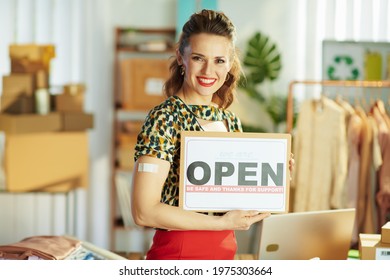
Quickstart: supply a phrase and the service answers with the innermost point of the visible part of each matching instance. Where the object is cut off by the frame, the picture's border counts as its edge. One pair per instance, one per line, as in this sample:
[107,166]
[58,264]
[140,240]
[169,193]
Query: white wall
[278,20]
[151,13]
[298,28]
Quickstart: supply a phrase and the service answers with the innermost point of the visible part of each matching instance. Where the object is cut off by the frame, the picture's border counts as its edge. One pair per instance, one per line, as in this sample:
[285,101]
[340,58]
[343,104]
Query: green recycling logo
[346,62]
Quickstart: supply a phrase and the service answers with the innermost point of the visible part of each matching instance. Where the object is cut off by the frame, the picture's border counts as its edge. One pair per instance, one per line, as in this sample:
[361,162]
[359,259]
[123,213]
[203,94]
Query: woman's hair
[215,23]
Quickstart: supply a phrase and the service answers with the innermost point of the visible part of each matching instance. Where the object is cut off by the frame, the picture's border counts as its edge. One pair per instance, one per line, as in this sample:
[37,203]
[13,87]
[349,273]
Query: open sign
[221,171]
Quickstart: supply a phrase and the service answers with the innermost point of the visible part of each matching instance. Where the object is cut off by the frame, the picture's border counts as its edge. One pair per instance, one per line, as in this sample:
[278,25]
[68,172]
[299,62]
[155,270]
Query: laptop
[324,235]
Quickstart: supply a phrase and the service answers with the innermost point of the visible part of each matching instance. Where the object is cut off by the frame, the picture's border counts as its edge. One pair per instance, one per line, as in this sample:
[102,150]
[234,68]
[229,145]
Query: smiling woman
[205,64]
[203,79]
[206,57]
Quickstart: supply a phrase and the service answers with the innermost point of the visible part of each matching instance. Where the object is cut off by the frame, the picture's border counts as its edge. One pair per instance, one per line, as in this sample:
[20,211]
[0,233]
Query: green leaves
[276,107]
[262,59]
[251,89]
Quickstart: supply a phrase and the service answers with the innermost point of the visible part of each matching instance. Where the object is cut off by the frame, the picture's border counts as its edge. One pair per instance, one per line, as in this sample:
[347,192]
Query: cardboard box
[126,144]
[74,89]
[131,127]
[50,161]
[33,52]
[76,121]
[30,123]
[125,151]
[19,85]
[24,65]
[371,247]
[16,104]
[142,81]
[29,58]
[385,233]
[69,103]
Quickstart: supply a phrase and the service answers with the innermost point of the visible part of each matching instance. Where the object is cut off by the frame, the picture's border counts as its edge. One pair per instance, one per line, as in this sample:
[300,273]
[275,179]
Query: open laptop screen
[305,235]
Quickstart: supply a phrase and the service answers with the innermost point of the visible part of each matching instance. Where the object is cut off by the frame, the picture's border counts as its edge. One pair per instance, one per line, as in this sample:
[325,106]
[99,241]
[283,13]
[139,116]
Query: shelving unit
[141,66]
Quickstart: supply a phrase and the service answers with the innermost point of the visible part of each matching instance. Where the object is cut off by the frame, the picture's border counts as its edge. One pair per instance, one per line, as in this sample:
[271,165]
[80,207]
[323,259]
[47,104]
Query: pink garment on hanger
[383,195]
[364,169]
[371,220]
[354,137]
[354,131]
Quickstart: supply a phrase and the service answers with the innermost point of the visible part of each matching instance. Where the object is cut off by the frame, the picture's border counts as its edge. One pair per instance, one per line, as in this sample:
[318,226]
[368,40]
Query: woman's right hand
[242,219]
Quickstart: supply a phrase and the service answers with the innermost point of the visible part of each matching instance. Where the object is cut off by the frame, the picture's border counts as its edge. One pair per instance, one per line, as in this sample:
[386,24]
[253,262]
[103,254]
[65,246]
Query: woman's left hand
[291,164]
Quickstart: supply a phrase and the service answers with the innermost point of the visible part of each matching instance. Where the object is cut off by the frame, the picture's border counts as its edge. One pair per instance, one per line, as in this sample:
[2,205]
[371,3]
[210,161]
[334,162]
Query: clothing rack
[340,83]
[358,181]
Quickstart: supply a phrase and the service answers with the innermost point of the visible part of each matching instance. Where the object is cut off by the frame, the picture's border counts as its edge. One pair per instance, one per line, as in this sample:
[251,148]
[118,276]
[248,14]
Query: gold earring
[182,70]
[227,77]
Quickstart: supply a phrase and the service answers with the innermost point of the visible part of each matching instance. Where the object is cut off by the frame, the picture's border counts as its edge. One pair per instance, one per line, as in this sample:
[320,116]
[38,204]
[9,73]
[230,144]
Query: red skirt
[193,245]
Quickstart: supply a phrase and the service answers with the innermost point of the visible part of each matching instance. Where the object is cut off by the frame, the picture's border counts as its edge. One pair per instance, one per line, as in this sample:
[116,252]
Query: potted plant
[262,62]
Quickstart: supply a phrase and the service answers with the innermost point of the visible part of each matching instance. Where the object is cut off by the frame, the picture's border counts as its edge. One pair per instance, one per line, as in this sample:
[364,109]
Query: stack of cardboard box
[42,151]
[19,87]
[375,246]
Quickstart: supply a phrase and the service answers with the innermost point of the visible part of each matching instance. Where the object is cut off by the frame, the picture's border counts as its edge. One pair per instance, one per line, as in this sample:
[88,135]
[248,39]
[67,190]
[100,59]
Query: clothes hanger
[318,103]
[339,97]
[388,103]
[381,106]
[365,105]
[356,98]
[342,101]
[359,106]
[371,98]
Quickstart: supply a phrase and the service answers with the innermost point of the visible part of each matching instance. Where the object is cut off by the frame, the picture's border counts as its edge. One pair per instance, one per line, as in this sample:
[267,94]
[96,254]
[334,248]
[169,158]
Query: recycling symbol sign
[342,68]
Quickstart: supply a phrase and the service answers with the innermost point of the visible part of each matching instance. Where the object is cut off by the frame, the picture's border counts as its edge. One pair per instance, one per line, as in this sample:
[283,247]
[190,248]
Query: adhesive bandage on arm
[147,167]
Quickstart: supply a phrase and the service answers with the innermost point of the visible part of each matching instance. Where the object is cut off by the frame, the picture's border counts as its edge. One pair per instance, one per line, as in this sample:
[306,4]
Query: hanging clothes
[365,160]
[383,195]
[371,217]
[367,180]
[354,130]
[320,147]
[354,136]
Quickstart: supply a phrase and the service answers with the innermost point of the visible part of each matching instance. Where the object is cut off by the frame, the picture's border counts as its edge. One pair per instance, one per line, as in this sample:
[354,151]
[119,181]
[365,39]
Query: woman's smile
[206,82]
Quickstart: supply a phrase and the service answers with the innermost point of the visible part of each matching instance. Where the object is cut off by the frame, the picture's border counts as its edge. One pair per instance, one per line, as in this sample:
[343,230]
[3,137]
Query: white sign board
[221,171]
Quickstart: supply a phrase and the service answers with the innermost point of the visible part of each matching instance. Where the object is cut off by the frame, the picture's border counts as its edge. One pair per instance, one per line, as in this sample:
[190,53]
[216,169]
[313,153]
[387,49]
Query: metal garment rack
[342,83]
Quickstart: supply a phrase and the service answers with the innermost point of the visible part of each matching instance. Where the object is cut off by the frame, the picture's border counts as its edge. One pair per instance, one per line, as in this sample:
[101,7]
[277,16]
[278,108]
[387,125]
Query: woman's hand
[242,220]
[291,164]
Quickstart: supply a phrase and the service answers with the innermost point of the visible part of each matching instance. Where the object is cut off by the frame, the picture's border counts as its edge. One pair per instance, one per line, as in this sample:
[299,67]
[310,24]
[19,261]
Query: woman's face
[207,60]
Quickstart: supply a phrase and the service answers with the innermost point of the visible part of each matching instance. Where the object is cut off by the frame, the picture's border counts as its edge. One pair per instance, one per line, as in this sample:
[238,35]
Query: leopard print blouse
[160,136]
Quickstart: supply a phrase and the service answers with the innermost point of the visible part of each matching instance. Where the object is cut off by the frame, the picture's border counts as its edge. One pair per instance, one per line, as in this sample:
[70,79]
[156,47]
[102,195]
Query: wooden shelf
[130,115]
[130,43]
[135,50]
[145,40]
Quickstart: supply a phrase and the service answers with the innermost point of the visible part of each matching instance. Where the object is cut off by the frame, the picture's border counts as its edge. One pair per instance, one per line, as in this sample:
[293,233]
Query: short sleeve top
[160,136]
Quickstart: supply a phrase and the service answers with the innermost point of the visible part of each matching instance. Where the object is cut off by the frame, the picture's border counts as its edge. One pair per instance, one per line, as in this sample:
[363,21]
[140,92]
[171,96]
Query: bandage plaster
[148,167]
